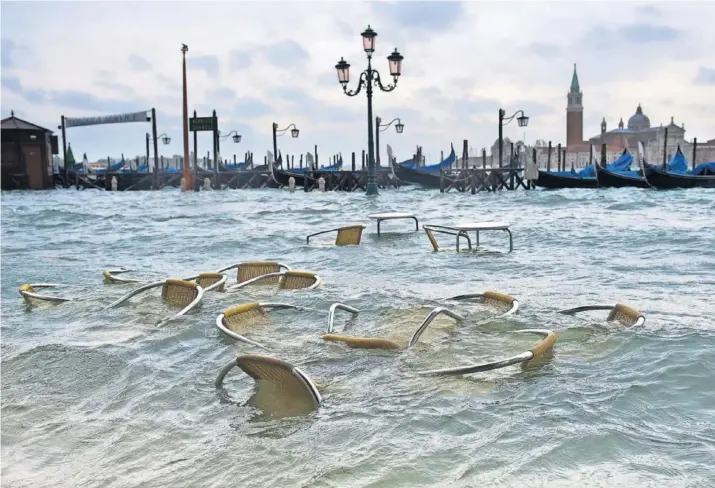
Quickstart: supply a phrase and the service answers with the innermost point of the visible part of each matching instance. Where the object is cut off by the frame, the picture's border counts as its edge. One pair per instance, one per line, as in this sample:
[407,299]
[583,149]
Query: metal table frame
[393,216]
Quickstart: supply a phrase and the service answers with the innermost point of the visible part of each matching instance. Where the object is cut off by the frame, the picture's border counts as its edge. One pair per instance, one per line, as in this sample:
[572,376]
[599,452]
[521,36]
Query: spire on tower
[574,80]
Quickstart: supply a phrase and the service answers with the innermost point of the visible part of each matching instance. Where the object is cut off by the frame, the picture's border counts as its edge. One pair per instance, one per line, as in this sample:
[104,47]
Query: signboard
[201,124]
[107,119]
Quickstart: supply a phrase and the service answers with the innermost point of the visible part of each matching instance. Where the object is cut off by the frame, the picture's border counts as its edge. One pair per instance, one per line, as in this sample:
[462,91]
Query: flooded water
[94,398]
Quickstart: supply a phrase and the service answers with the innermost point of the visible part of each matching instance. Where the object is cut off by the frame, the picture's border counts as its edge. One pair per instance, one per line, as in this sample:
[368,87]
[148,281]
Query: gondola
[427,176]
[613,178]
[620,179]
[676,175]
[703,176]
[281,177]
[564,179]
[586,178]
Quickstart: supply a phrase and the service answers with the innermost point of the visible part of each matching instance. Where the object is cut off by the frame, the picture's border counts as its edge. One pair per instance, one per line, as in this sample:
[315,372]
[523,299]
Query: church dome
[639,120]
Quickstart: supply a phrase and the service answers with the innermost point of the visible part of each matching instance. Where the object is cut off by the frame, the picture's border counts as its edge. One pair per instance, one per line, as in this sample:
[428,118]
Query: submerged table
[392,216]
[463,229]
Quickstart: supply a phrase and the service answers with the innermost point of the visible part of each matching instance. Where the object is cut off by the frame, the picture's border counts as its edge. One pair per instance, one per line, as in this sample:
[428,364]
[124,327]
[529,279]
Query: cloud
[169,83]
[462,62]
[209,64]
[646,33]
[425,18]
[73,99]
[285,54]
[12,83]
[240,60]
[251,107]
[118,88]
[705,76]
[138,63]
[545,49]
[648,10]
[8,53]
[221,93]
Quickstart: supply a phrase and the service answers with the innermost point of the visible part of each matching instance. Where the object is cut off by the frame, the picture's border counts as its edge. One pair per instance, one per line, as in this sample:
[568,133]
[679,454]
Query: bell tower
[574,112]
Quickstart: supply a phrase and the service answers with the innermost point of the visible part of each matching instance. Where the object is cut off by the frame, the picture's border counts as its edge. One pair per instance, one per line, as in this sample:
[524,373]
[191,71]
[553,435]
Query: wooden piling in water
[695,150]
[548,158]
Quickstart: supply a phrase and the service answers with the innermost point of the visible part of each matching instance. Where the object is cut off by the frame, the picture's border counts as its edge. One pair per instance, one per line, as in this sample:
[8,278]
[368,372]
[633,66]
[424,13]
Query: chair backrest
[431,238]
[499,300]
[239,315]
[281,387]
[207,279]
[179,293]
[28,289]
[624,315]
[253,269]
[295,280]
[349,236]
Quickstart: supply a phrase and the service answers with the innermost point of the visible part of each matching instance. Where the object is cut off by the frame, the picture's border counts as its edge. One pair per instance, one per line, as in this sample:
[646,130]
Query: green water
[92,398]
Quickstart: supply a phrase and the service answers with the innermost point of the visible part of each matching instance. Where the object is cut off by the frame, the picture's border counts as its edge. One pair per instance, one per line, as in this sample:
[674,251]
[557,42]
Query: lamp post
[368,78]
[399,127]
[187,164]
[523,121]
[236,138]
[294,134]
[165,139]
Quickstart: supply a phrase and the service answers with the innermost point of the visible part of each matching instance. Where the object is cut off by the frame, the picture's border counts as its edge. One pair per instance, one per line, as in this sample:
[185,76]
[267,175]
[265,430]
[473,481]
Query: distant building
[640,130]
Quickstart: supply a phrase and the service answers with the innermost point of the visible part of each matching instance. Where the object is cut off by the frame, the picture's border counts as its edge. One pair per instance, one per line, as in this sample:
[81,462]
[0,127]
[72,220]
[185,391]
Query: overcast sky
[259,62]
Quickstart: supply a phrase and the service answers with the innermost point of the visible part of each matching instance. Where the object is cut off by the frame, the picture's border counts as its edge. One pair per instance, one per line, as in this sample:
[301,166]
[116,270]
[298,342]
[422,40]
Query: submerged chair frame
[378,342]
[169,282]
[256,372]
[431,229]
[490,297]
[222,326]
[111,276]
[247,265]
[29,293]
[347,235]
[539,350]
[282,277]
[619,312]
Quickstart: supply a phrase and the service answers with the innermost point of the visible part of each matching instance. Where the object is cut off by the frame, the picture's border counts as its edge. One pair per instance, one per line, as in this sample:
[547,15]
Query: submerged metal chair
[623,314]
[174,292]
[378,342]
[253,269]
[346,236]
[281,388]
[31,296]
[111,276]
[506,304]
[538,351]
[287,280]
[431,230]
[230,321]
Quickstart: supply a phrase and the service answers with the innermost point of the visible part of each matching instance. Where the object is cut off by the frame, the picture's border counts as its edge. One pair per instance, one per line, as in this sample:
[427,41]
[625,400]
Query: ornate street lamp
[368,79]
[293,132]
[523,121]
[165,139]
[399,127]
[236,138]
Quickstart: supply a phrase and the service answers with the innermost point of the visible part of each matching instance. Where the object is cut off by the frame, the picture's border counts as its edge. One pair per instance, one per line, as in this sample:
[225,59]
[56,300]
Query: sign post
[203,124]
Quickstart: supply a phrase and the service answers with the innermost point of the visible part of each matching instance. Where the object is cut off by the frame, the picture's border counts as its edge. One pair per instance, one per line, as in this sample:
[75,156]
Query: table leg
[378,227]
[477,238]
[511,241]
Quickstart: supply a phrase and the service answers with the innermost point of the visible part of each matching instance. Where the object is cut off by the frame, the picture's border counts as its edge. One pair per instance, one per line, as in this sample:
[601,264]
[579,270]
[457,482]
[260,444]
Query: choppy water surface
[106,399]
